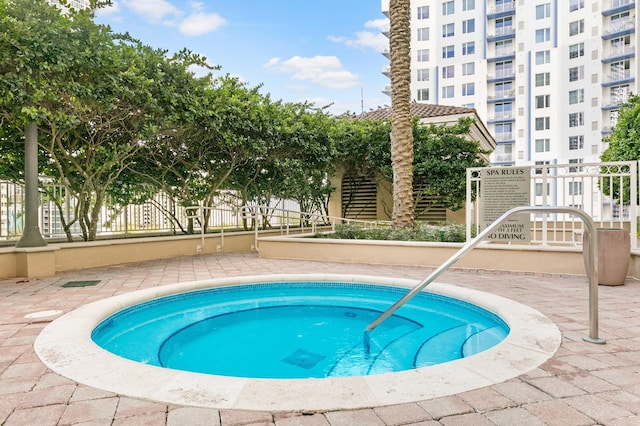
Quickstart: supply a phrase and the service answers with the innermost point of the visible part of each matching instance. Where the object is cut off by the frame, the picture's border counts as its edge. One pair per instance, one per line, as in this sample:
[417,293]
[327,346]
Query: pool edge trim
[65,346]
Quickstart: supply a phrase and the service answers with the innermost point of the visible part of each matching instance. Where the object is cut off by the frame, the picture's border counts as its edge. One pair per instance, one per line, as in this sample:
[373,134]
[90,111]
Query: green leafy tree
[442,153]
[97,98]
[624,145]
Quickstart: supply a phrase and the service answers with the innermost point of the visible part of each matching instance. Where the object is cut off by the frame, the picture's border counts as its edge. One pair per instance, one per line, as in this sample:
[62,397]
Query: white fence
[606,191]
[159,215]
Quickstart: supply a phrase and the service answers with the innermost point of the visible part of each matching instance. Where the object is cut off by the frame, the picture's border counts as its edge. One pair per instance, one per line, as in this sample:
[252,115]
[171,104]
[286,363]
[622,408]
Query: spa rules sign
[501,189]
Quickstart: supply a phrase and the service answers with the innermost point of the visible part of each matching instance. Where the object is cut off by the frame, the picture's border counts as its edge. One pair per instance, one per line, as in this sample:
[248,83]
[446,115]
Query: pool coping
[65,346]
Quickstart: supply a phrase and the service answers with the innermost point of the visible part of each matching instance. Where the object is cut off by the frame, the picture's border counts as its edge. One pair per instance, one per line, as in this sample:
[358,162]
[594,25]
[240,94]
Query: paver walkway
[583,384]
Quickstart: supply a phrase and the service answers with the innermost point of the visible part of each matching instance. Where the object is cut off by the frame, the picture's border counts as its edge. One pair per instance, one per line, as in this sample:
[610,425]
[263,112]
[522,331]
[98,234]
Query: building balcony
[618,53]
[502,95]
[501,53]
[503,137]
[619,28]
[502,33]
[504,158]
[617,6]
[386,52]
[504,116]
[500,10]
[386,70]
[501,75]
[613,103]
[387,90]
[621,77]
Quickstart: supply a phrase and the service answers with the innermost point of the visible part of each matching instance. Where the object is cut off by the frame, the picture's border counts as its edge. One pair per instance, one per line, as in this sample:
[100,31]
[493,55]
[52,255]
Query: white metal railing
[592,269]
[503,7]
[618,51]
[268,218]
[580,185]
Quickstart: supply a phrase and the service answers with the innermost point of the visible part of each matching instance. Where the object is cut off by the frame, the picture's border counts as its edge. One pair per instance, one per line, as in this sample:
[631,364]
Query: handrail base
[596,340]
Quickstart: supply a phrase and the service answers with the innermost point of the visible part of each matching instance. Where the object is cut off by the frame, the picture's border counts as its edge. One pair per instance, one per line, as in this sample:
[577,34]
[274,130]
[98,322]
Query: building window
[504,131]
[423,55]
[448,7]
[576,27]
[575,5]
[447,52]
[576,142]
[423,94]
[503,110]
[504,26]
[576,119]
[448,71]
[621,21]
[422,74]
[540,188]
[504,153]
[543,145]
[504,69]
[576,73]
[621,45]
[575,161]
[423,34]
[543,123]
[468,89]
[620,69]
[468,4]
[543,101]
[543,57]
[543,11]
[540,169]
[469,48]
[423,12]
[447,30]
[575,188]
[468,26]
[469,68]
[543,79]
[619,94]
[576,50]
[576,96]
[504,48]
[447,92]
[504,90]
[543,34]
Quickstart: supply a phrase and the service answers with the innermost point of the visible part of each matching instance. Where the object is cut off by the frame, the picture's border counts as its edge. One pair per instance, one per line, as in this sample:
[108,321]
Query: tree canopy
[120,121]
[624,145]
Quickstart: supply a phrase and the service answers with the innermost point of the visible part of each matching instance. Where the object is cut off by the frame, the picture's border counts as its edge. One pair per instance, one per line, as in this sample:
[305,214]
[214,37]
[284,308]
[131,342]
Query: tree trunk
[401,129]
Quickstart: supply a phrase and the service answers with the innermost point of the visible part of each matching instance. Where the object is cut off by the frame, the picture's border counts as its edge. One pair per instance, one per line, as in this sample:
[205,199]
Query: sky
[328,52]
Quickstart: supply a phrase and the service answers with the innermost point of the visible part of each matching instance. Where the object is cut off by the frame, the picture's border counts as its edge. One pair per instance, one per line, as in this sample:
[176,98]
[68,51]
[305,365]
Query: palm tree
[401,130]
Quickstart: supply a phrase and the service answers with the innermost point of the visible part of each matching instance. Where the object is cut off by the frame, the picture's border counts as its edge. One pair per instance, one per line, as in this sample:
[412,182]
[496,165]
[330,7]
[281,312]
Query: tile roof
[417,110]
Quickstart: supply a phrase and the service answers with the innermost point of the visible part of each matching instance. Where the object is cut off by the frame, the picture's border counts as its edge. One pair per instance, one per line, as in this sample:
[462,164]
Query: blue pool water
[298,330]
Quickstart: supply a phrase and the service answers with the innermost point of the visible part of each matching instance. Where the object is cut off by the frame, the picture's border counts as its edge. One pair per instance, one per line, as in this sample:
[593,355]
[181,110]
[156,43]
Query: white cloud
[326,71]
[367,39]
[379,24]
[153,10]
[200,23]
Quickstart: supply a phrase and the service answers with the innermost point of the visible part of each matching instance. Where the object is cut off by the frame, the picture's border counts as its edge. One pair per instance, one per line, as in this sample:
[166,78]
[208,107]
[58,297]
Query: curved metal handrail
[592,271]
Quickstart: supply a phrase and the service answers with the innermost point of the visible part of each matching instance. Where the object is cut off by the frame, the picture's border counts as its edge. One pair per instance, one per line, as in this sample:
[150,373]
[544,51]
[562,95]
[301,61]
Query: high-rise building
[547,76]
[74,4]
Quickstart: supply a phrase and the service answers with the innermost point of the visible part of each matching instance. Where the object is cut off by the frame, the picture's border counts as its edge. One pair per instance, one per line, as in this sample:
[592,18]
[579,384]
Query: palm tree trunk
[401,129]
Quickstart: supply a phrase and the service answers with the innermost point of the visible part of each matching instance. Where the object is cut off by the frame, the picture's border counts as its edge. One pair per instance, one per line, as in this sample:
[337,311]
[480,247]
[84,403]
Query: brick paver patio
[583,384]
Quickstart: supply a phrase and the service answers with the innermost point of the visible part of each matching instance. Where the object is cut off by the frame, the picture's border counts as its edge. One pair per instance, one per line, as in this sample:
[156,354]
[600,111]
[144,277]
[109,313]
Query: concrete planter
[614,253]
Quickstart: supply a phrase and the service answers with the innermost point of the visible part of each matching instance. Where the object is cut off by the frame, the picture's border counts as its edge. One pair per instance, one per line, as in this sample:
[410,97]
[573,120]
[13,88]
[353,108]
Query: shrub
[451,233]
